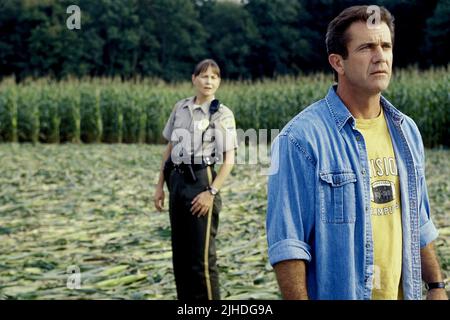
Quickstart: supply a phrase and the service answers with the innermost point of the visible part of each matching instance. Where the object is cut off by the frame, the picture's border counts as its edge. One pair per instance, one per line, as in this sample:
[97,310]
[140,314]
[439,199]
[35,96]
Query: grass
[90,206]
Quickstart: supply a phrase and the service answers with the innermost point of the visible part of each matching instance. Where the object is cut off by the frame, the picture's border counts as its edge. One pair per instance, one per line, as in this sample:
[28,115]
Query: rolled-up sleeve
[290,206]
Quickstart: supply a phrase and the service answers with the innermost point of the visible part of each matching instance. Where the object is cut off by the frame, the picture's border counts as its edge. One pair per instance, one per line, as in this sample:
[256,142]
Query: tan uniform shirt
[188,123]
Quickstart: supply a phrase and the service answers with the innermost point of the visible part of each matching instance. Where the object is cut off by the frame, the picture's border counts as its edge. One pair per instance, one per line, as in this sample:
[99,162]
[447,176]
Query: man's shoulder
[407,122]
[309,121]
[310,128]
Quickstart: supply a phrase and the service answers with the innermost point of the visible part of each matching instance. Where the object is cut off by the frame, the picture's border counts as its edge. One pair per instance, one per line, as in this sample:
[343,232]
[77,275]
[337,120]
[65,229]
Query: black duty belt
[195,167]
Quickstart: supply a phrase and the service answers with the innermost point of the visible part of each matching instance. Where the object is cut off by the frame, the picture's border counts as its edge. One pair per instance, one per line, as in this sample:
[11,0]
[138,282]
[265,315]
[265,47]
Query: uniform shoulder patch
[228,123]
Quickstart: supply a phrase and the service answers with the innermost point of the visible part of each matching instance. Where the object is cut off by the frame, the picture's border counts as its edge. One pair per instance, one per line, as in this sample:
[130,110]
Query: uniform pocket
[337,197]
[179,123]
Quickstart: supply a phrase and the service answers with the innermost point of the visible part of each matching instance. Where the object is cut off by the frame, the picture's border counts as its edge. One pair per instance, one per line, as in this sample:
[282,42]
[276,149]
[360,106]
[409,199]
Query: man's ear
[193,78]
[337,62]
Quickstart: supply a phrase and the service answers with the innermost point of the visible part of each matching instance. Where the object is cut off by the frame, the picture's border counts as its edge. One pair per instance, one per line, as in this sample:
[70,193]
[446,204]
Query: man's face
[206,83]
[369,62]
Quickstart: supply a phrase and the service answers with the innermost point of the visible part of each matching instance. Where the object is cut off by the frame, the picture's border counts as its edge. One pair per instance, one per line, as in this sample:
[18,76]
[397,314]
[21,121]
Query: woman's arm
[224,170]
[204,200]
[158,197]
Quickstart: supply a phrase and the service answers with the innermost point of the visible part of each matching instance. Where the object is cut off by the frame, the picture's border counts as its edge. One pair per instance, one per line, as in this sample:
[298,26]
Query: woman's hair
[203,65]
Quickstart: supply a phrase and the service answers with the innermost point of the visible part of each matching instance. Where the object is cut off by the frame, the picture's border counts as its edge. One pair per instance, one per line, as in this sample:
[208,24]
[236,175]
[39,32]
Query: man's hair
[203,65]
[337,37]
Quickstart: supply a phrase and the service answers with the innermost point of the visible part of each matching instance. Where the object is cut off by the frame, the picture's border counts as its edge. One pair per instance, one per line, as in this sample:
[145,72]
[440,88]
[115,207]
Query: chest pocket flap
[337,196]
[338,179]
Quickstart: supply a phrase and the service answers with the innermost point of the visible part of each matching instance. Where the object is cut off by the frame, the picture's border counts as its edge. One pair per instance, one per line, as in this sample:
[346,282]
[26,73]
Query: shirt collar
[338,109]
[190,104]
[341,114]
[391,111]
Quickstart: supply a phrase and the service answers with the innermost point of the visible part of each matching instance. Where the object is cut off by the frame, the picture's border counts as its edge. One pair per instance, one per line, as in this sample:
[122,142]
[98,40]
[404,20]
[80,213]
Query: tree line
[250,39]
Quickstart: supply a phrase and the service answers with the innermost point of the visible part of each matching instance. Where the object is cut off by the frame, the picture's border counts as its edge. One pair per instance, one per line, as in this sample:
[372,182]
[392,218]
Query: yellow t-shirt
[385,208]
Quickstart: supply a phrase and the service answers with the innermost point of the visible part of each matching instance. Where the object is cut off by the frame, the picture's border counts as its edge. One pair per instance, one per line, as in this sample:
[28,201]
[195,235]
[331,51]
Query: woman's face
[206,83]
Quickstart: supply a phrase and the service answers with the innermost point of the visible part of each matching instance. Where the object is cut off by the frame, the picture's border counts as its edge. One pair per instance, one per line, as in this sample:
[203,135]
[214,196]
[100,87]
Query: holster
[189,173]
[168,167]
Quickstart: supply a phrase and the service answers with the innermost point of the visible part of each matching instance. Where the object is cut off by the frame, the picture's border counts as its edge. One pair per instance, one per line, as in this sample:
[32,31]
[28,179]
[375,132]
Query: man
[354,220]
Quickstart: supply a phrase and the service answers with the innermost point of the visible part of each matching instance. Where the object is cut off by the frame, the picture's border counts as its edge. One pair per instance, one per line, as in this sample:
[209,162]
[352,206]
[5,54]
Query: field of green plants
[107,110]
[90,206]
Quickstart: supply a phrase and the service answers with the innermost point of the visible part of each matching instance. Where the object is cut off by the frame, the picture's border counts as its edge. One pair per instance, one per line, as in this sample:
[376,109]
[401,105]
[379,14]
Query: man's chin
[380,86]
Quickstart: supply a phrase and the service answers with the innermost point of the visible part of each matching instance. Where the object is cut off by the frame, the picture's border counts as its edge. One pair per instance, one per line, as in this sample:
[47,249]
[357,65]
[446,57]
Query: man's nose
[379,55]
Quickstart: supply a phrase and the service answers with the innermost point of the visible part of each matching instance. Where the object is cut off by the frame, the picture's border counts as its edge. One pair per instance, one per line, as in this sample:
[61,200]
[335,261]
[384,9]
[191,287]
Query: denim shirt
[319,200]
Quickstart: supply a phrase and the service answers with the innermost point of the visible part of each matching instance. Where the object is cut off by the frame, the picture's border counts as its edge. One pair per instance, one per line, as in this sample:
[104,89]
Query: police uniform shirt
[189,123]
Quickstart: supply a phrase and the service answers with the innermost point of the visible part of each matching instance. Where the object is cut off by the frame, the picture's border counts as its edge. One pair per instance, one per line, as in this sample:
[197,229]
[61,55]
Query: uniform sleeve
[428,231]
[226,137]
[167,132]
[290,206]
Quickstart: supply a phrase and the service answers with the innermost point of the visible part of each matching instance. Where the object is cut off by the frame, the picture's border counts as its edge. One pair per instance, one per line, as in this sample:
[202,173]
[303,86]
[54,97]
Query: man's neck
[361,105]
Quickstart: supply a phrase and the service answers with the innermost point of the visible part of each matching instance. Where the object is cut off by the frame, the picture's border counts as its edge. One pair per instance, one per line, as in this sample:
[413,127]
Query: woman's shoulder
[183,102]
[180,104]
[223,109]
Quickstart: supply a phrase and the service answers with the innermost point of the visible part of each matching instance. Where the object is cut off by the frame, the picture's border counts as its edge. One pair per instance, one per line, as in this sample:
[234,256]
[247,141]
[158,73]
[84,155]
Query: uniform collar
[190,104]
[341,114]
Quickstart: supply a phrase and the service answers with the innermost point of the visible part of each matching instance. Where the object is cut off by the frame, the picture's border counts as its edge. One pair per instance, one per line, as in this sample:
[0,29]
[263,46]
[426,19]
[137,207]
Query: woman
[201,132]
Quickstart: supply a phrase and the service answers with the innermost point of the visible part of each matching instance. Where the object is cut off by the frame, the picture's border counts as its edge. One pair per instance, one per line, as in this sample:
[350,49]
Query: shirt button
[358,138]
[363,171]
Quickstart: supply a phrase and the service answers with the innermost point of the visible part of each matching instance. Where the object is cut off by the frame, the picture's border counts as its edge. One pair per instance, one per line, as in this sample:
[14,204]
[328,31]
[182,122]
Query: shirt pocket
[179,122]
[337,197]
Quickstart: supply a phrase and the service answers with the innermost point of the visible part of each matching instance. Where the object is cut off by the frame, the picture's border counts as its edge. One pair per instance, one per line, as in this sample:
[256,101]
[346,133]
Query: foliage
[165,38]
[91,206]
[110,110]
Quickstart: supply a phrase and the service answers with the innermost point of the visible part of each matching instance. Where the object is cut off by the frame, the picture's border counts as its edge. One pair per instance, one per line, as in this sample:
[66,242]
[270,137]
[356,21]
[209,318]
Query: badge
[202,124]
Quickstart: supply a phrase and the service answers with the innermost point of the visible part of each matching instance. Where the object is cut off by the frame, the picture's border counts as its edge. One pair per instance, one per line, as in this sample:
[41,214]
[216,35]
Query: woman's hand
[158,198]
[202,203]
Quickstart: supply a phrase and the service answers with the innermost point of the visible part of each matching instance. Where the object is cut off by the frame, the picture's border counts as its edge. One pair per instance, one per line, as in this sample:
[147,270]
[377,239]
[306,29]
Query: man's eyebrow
[373,43]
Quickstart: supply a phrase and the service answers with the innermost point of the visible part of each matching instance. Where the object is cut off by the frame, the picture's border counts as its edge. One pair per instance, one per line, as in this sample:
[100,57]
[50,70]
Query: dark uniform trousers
[193,238]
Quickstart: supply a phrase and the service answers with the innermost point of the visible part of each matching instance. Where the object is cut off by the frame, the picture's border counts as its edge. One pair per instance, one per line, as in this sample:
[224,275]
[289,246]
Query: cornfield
[90,206]
[114,111]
